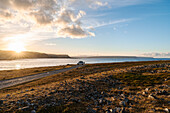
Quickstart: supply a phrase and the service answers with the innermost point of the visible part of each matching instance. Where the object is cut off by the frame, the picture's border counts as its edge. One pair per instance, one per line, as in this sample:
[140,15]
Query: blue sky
[127,27]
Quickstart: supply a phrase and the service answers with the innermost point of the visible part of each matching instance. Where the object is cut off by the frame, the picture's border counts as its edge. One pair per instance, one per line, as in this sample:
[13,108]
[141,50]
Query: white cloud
[74,31]
[5,14]
[22,4]
[101,4]
[70,25]
[81,14]
[43,14]
[4,4]
[50,44]
[42,17]
[66,17]
[101,24]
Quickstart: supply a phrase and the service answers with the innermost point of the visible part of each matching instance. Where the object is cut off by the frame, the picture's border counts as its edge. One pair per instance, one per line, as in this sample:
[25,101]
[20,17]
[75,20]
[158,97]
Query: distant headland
[111,57]
[12,55]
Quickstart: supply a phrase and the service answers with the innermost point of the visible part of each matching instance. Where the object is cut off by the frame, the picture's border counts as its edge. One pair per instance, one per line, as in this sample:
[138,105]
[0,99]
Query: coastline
[46,62]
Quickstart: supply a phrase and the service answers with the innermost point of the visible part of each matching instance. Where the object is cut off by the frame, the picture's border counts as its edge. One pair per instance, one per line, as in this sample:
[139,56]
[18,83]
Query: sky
[86,27]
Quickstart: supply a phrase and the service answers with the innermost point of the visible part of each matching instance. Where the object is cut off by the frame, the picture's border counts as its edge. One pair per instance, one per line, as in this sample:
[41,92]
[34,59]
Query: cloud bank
[162,55]
[58,15]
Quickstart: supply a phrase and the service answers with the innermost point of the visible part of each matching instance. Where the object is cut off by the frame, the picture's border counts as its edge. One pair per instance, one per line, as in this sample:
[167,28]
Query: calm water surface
[30,63]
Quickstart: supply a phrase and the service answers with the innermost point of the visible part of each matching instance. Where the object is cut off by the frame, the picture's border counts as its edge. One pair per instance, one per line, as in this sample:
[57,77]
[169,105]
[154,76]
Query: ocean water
[30,63]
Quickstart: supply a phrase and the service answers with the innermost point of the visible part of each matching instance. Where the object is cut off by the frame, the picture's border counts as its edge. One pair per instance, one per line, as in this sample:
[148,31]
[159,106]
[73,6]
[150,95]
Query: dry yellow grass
[88,70]
[91,73]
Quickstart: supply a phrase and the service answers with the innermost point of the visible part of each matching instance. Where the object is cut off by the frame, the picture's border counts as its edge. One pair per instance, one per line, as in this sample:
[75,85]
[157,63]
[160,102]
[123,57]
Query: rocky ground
[109,91]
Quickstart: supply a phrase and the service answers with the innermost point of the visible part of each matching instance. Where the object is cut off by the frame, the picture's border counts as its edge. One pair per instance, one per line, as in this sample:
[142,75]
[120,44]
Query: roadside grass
[9,74]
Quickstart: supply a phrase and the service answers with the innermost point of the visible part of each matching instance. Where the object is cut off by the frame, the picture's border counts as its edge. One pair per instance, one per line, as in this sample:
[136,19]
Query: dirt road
[20,80]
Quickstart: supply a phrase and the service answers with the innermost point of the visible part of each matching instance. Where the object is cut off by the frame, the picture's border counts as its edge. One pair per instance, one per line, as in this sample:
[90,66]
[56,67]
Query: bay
[31,63]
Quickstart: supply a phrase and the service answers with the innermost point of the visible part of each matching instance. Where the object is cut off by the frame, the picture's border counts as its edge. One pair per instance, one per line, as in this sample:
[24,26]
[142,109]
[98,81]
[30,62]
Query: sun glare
[17,47]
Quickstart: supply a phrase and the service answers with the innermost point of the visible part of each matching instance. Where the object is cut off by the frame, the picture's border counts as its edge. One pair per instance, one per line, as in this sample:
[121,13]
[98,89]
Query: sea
[46,62]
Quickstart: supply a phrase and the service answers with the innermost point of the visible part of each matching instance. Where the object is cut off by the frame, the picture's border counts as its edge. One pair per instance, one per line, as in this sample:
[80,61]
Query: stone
[8,95]
[100,101]
[122,110]
[122,95]
[26,90]
[1,102]
[112,110]
[152,96]
[107,111]
[109,102]
[147,89]
[12,102]
[91,110]
[126,100]
[144,93]
[26,108]
[113,98]
[166,110]
[153,110]
[33,111]
[18,102]
[122,103]
[163,92]
[117,109]
[32,89]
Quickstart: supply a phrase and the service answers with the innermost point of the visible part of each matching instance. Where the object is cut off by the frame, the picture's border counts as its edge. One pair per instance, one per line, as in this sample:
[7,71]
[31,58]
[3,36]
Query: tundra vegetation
[109,87]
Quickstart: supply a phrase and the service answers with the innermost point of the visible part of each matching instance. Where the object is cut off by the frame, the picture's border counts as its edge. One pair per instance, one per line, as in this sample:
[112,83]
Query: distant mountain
[10,55]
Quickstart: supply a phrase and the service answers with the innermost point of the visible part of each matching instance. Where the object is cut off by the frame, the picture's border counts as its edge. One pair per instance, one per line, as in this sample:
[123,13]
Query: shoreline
[16,68]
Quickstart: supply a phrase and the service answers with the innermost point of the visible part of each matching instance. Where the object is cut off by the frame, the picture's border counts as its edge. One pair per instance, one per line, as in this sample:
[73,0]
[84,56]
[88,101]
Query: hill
[10,55]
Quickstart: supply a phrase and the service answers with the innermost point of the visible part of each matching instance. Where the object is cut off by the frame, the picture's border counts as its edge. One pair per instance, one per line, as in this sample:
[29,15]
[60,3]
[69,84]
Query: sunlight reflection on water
[17,66]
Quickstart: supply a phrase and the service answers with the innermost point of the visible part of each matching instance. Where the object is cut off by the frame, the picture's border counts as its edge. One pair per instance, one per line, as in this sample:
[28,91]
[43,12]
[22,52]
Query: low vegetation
[137,79]
[120,87]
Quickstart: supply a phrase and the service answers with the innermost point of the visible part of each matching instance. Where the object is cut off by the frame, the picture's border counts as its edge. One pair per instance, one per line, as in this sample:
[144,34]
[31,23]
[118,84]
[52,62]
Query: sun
[17,47]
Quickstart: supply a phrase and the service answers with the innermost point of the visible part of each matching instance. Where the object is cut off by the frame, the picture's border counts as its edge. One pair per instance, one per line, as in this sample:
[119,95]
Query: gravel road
[20,80]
